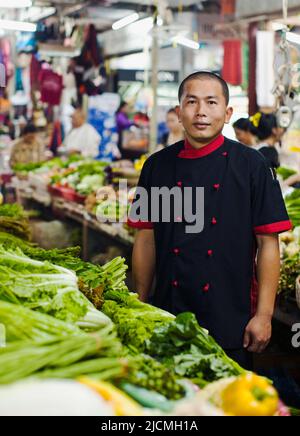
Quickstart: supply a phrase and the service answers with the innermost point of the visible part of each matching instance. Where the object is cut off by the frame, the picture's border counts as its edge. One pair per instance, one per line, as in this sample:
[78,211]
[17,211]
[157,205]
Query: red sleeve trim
[282,226]
[142,225]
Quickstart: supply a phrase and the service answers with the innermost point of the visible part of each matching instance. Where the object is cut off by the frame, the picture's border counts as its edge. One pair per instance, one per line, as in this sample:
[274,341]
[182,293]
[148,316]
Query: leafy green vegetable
[25,324]
[90,184]
[14,220]
[64,357]
[92,279]
[290,270]
[187,348]
[135,321]
[45,287]
[292,203]
[285,173]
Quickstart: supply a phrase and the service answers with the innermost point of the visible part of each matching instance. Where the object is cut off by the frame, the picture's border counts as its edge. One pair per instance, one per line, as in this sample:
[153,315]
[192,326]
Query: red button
[179,184]
[225,153]
[175,284]
[214,221]
[179,219]
[176,251]
[216,186]
[206,287]
[210,253]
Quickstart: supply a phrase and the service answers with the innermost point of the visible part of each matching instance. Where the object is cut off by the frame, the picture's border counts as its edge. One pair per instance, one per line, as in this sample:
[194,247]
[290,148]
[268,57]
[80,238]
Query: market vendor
[226,273]
[83,138]
[28,148]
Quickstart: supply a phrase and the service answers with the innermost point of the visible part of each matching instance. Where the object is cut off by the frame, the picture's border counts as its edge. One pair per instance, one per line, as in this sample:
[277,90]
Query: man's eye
[212,102]
[191,101]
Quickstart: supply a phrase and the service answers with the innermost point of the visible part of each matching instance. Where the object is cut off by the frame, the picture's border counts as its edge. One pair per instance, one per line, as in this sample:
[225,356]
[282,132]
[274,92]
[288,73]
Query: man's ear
[229,112]
[178,112]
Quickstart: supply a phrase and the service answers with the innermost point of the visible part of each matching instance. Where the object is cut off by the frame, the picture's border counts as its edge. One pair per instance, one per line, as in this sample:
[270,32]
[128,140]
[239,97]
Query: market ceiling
[103,13]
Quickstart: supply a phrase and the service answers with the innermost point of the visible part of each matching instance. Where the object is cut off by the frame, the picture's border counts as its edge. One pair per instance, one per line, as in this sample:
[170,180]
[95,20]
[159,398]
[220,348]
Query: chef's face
[203,110]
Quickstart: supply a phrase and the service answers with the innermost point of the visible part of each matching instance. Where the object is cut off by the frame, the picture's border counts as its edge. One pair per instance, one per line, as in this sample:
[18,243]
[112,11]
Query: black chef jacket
[212,273]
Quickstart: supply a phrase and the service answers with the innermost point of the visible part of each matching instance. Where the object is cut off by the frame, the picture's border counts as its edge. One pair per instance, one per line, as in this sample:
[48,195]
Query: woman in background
[244,132]
[269,135]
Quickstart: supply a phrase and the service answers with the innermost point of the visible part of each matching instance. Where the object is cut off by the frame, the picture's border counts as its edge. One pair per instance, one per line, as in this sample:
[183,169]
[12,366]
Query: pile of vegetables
[179,343]
[45,287]
[84,177]
[290,265]
[14,220]
[37,167]
[92,279]
[93,354]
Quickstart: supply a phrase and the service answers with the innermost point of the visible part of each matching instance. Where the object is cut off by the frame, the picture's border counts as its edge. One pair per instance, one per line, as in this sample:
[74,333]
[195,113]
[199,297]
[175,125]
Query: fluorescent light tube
[14,4]
[293,37]
[17,25]
[125,21]
[181,40]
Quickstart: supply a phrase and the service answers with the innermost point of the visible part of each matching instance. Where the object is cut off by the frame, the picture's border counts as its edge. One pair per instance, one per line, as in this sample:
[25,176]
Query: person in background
[28,148]
[269,134]
[83,138]
[244,132]
[123,123]
[175,128]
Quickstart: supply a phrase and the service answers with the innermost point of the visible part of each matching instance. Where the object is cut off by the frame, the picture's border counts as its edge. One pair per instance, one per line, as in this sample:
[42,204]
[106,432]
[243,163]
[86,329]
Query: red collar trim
[189,152]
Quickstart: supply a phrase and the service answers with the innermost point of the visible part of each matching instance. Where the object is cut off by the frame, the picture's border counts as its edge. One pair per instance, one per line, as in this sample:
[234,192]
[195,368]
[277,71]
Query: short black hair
[264,125]
[203,75]
[172,111]
[245,125]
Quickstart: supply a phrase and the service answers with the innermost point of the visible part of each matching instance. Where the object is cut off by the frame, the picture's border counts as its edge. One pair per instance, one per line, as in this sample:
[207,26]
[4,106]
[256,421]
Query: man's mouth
[201,125]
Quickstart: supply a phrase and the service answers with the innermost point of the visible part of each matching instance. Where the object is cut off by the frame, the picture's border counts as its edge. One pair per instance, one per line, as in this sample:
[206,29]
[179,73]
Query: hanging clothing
[232,66]
[212,272]
[265,73]
[51,87]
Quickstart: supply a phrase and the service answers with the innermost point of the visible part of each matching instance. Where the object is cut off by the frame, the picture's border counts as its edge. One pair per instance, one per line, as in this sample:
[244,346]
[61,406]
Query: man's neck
[200,144]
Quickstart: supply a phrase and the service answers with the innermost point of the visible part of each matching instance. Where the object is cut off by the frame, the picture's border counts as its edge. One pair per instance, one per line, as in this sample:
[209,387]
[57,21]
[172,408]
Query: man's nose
[200,109]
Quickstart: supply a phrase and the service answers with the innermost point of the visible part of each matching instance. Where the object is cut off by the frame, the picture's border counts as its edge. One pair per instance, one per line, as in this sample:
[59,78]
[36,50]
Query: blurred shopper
[244,132]
[28,148]
[83,138]
[175,128]
[269,135]
[123,123]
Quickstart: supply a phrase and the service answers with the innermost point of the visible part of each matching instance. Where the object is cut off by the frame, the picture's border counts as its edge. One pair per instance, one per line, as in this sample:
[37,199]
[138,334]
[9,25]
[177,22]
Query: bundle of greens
[14,220]
[292,203]
[285,173]
[290,270]
[46,287]
[135,321]
[92,279]
[188,349]
[25,324]
[64,357]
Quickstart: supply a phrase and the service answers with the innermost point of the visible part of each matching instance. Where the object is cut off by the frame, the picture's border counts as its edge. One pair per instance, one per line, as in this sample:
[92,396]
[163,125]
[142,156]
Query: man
[213,272]
[83,138]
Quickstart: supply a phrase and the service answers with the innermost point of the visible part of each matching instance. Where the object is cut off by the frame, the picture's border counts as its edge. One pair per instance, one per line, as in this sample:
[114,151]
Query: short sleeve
[143,188]
[269,214]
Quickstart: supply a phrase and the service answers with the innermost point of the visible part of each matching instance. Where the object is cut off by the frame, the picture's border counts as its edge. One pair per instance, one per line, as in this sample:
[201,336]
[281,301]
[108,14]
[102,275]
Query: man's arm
[143,263]
[259,330]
